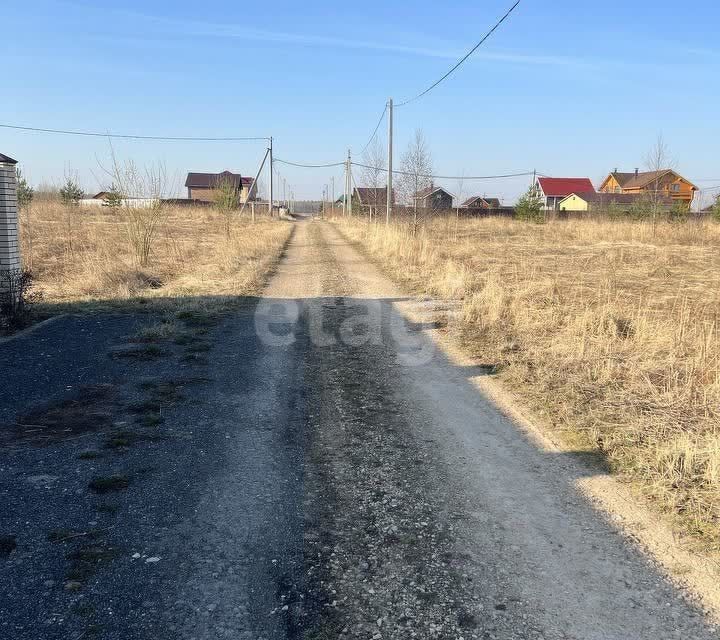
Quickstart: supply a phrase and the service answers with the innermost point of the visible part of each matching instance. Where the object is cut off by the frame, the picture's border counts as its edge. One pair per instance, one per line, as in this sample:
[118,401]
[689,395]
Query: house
[202,186]
[481,202]
[665,183]
[600,201]
[374,197]
[100,200]
[552,190]
[433,197]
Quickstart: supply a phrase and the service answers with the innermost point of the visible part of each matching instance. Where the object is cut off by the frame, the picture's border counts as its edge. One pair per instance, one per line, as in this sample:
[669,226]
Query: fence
[404,213]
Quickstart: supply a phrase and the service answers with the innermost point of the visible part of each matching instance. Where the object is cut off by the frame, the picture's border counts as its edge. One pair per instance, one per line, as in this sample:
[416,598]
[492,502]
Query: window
[675,188]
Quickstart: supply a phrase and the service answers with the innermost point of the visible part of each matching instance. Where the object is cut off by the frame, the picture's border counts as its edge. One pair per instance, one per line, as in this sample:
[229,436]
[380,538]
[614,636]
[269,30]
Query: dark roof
[427,191]
[643,178]
[7,159]
[481,201]
[562,187]
[372,195]
[211,180]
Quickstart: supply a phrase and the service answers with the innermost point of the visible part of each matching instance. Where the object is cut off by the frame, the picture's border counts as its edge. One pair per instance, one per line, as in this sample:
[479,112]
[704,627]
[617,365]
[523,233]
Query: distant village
[619,191]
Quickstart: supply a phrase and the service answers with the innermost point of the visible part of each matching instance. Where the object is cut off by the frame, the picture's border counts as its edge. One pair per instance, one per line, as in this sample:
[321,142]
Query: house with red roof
[552,190]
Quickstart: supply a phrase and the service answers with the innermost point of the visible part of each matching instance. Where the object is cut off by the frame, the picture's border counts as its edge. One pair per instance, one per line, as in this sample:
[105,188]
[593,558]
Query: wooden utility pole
[270,202]
[390,163]
[332,201]
[349,179]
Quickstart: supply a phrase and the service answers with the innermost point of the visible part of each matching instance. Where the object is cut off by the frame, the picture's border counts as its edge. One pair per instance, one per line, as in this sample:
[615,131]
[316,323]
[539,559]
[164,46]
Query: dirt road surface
[336,476]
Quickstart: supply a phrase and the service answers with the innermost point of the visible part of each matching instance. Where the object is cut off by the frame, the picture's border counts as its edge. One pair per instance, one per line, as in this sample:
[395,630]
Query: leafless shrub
[373,175]
[16,298]
[143,190]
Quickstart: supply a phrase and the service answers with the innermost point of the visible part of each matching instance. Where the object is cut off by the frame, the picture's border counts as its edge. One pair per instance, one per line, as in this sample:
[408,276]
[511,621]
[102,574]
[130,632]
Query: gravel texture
[319,487]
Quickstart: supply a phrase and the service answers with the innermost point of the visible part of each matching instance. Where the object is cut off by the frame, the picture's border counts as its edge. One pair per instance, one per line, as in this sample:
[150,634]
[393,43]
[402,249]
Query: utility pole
[350,189]
[270,202]
[332,202]
[345,199]
[284,198]
[390,163]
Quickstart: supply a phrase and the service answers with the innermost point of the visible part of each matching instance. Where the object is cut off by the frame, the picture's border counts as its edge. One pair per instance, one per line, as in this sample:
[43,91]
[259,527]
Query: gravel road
[311,466]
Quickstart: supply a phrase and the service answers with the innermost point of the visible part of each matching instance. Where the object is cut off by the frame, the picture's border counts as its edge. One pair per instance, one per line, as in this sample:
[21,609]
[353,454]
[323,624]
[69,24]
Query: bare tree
[373,176]
[416,165]
[142,190]
[460,187]
[657,161]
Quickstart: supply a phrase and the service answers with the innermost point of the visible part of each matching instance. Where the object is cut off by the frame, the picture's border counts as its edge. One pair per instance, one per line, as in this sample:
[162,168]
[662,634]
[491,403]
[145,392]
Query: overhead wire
[463,59]
[377,127]
[96,134]
[310,166]
[428,175]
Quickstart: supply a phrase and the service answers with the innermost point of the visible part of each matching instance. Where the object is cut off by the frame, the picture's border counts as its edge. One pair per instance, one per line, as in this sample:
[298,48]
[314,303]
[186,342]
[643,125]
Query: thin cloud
[173,28]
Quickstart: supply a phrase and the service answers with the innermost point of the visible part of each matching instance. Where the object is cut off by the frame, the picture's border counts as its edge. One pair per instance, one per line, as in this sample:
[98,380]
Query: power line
[408,173]
[372,137]
[94,134]
[422,175]
[311,166]
[467,55]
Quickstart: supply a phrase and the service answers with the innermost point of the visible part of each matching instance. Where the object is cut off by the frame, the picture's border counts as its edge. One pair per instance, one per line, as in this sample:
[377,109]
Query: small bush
[679,212]
[16,298]
[71,193]
[530,208]
[25,192]
[113,198]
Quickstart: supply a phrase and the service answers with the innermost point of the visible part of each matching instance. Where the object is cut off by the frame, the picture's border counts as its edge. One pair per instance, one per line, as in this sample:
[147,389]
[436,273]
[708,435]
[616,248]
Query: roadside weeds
[480,328]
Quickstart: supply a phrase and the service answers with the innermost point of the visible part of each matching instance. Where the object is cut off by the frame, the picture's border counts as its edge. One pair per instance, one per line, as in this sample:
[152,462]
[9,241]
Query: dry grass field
[85,258]
[608,331]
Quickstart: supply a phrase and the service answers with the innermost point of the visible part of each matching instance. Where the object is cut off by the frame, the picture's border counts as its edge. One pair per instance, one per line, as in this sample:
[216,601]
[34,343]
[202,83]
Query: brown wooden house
[202,186]
[662,184]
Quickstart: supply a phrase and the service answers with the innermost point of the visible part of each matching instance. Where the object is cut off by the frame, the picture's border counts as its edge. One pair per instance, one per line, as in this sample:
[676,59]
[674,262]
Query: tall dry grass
[88,257]
[609,331]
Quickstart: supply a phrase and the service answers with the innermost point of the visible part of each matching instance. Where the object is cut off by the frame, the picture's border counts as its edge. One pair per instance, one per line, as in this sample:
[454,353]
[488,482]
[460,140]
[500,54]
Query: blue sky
[563,87]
